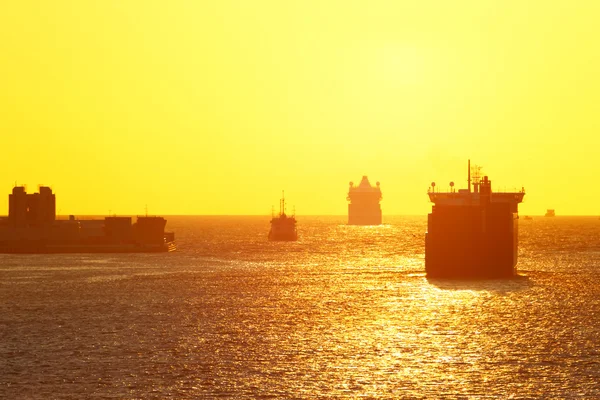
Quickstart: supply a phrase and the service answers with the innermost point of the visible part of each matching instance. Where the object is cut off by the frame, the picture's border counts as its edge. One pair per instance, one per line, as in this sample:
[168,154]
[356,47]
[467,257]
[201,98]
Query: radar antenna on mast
[474,177]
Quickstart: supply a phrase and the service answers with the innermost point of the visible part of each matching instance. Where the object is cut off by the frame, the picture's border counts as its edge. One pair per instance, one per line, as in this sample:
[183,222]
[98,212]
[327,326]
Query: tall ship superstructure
[363,207]
[472,233]
[283,226]
[32,227]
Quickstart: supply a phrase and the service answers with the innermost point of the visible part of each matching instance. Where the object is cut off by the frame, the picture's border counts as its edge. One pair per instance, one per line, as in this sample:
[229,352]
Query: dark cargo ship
[364,208]
[472,233]
[32,227]
[283,226]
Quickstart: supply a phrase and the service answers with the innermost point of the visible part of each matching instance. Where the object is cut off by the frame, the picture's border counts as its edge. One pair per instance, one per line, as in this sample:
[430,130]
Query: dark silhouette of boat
[364,208]
[472,233]
[550,213]
[32,227]
[283,226]
[528,218]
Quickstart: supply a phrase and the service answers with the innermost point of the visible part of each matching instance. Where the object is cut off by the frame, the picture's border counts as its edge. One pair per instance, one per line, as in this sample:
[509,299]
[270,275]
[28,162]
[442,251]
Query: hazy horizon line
[302,215]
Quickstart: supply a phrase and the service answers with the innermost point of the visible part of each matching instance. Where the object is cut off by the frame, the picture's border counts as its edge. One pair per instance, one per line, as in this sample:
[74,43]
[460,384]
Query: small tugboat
[283,227]
[472,233]
[550,213]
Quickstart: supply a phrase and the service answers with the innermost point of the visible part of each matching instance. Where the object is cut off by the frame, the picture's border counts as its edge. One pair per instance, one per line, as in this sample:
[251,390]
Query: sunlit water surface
[344,312]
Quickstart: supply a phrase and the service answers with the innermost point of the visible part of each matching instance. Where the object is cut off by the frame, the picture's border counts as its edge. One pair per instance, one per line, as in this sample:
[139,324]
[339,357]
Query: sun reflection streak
[345,320]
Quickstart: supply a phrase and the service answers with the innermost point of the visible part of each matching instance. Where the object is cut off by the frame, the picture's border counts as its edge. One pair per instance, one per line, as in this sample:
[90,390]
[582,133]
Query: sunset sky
[214,107]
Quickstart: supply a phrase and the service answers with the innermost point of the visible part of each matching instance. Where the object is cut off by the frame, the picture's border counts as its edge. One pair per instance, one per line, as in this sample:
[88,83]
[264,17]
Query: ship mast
[469,175]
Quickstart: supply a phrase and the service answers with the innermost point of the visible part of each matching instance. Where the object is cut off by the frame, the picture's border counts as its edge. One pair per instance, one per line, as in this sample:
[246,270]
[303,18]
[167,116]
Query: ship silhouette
[363,207]
[283,226]
[472,233]
[32,227]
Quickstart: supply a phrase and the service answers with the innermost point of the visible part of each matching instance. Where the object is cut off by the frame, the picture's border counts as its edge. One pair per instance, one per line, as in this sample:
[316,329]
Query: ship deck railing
[461,191]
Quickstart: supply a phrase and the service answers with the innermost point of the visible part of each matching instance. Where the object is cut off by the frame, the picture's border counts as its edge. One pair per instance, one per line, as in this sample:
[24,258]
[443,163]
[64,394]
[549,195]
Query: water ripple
[345,312]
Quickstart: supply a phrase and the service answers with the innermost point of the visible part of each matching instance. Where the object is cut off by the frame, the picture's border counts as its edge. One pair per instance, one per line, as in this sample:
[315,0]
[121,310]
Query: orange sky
[195,107]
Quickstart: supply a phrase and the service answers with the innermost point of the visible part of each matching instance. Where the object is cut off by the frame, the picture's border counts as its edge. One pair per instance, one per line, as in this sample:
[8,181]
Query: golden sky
[214,107]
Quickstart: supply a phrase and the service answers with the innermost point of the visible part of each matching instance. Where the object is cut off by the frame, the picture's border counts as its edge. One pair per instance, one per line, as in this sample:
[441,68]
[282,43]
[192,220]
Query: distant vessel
[364,208]
[550,213]
[527,217]
[32,227]
[283,227]
[472,234]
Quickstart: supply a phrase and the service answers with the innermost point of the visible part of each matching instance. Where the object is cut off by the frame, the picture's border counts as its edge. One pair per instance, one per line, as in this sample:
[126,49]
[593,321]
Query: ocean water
[344,312]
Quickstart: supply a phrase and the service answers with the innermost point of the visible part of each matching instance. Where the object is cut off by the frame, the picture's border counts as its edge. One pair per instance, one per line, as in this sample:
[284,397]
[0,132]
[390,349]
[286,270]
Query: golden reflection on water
[344,312]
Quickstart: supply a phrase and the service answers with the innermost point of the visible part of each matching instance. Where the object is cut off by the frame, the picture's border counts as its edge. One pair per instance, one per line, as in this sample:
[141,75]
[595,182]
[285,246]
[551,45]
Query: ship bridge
[464,197]
[480,189]
[364,188]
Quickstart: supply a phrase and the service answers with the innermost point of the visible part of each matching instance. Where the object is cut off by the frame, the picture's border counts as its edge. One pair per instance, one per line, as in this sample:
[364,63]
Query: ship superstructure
[550,213]
[283,226]
[364,207]
[32,227]
[472,233]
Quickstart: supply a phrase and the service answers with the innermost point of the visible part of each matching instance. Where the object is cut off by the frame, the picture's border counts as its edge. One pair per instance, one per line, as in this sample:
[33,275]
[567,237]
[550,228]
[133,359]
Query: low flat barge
[32,228]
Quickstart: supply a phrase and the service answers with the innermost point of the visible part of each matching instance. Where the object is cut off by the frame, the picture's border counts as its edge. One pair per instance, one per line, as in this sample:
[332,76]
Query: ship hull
[280,237]
[283,229]
[364,215]
[41,248]
[283,234]
[472,242]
